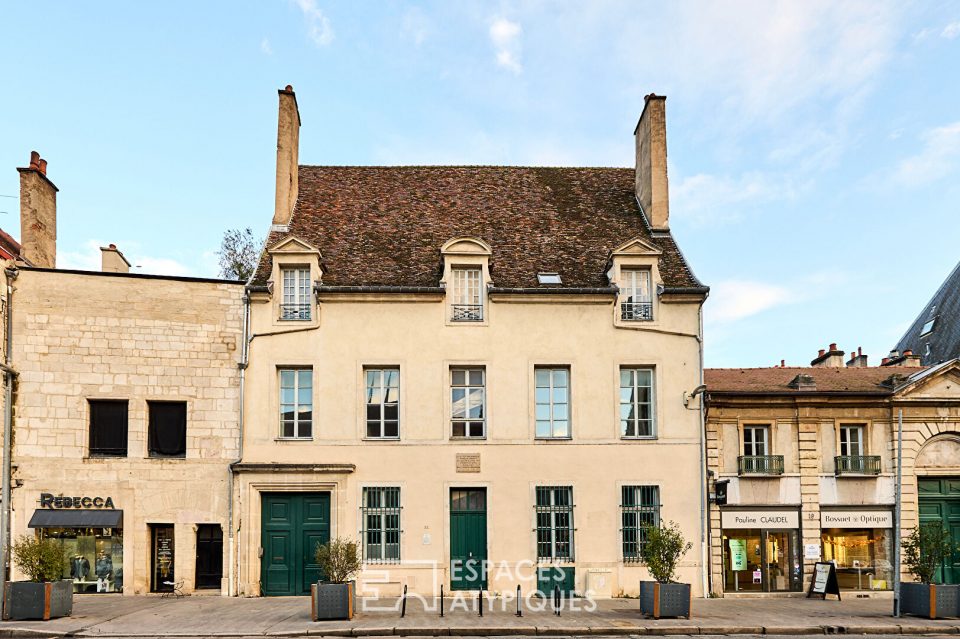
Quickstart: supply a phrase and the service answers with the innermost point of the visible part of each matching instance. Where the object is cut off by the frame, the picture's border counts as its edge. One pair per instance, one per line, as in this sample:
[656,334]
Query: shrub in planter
[46,595]
[924,552]
[662,551]
[340,561]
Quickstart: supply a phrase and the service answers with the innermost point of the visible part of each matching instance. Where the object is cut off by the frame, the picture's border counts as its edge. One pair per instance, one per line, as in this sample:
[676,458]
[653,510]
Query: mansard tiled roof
[866,380]
[384,226]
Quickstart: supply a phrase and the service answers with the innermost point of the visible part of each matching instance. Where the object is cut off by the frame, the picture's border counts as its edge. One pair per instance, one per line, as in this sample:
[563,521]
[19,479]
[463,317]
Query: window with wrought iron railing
[295,304]
[857,464]
[554,510]
[639,510]
[381,524]
[467,301]
[636,298]
[760,464]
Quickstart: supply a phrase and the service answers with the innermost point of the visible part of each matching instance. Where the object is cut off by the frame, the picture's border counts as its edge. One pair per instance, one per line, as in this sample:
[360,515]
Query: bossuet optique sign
[55,502]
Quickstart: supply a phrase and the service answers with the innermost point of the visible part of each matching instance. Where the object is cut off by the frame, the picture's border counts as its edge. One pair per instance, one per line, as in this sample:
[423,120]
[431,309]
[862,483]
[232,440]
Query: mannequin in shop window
[79,568]
[104,569]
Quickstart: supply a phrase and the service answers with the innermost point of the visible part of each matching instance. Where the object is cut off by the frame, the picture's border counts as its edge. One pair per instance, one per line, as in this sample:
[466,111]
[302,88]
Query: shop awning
[44,518]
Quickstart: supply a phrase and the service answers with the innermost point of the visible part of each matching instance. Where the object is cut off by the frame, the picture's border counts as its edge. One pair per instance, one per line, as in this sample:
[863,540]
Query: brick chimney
[288,157]
[830,358]
[38,214]
[651,162]
[858,359]
[112,260]
[906,359]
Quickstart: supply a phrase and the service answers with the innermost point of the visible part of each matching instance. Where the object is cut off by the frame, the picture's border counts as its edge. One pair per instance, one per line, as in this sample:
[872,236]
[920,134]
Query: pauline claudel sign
[59,501]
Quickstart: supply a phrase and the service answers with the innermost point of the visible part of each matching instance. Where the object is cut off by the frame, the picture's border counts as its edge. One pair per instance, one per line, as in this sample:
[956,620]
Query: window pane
[543,428]
[561,428]
[560,395]
[543,412]
[458,376]
[543,395]
[476,377]
[560,377]
[391,429]
[560,412]
[543,378]
[373,428]
[459,429]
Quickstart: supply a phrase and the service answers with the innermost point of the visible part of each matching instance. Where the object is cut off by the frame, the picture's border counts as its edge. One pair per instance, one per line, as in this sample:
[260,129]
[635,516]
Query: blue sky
[814,146]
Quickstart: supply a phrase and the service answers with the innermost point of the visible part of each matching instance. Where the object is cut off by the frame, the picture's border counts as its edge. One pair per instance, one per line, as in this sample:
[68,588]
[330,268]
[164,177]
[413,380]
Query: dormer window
[549,278]
[296,293]
[467,303]
[636,299]
[928,327]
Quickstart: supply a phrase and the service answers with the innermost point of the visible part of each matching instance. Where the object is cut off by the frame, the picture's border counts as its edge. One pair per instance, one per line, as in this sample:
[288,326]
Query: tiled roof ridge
[462,166]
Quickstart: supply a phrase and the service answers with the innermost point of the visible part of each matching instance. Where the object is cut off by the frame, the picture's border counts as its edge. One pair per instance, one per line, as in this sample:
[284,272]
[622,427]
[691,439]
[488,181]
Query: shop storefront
[761,550]
[90,531]
[860,543]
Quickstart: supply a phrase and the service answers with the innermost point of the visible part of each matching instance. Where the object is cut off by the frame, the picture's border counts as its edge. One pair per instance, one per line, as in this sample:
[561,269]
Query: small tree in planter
[665,546]
[45,595]
[924,552]
[339,560]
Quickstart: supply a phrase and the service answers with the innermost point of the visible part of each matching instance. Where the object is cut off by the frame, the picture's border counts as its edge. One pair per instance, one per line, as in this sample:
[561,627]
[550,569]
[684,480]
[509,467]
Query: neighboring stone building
[126,411]
[805,461]
[465,364]
[935,334]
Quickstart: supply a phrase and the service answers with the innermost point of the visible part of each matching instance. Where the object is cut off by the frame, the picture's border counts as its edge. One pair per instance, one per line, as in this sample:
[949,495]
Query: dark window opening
[167,435]
[108,428]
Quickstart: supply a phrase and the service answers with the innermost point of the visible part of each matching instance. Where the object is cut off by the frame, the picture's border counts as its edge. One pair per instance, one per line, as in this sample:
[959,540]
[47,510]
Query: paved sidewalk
[206,616]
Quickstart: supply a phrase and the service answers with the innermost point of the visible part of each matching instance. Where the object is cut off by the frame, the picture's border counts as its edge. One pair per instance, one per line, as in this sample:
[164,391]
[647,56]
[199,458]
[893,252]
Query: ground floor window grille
[639,508]
[381,525]
[554,523]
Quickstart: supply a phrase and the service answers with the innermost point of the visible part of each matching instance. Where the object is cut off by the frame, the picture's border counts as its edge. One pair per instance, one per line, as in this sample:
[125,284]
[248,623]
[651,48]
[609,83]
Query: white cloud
[505,37]
[265,47]
[87,258]
[937,159]
[951,31]
[712,199]
[318,25]
[415,26]
[733,300]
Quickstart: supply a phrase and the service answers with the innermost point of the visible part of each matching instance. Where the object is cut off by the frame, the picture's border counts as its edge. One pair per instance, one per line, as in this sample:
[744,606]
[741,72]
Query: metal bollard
[480,601]
[403,603]
[519,614]
[556,599]
[441,600]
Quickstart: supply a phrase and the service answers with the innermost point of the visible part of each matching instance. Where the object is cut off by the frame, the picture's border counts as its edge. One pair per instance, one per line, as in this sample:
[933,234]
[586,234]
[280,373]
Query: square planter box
[664,600]
[935,601]
[332,601]
[31,600]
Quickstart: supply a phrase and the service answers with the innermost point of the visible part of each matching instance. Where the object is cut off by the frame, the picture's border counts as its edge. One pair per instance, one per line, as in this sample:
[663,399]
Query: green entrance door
[940,502]
[292,525]
[468,538]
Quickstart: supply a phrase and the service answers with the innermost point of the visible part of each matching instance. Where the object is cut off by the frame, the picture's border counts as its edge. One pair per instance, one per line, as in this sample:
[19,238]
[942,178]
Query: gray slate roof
[943,342]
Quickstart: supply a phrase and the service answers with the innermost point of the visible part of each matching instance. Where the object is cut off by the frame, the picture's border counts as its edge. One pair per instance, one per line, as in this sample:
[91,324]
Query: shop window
[381,524]
[552,399]
[162,559]
[554,523]
[864,557]
[636,403]
[639,510]
[167,431]
[108,428]
[94,557]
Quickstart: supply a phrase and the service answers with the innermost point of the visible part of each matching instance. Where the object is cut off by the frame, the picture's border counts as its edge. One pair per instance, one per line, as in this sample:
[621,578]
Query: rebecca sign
[856,519]
[59,501]
[732,519]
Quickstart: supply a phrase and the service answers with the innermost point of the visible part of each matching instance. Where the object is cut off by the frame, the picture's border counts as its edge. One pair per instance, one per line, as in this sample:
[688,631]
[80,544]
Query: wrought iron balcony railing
[760,464]
[467,312]
[636,311]
[857,464]
[295,311]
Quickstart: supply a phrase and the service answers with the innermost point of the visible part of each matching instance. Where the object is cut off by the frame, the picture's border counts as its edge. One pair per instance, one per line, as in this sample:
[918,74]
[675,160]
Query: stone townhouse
[126,411]
[802,465]
[485,375]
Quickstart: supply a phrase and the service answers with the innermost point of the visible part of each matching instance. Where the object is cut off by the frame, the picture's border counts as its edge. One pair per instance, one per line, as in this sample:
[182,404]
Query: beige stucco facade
[814,491]
[349,332]
[79,337]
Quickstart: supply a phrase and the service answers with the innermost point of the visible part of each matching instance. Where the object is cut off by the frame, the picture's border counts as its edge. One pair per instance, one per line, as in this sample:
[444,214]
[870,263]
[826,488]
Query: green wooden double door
[292,526]
[940,501]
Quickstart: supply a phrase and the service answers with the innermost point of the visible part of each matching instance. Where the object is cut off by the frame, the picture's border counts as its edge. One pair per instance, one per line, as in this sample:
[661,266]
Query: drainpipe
[704,489]
[8,376]
[233,570]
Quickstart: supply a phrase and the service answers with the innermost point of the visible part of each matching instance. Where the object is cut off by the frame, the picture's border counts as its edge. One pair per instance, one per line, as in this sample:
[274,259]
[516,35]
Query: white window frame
[552,404]
[295,298]
[381,388]
[846,442]
[296,405]
[635,404]
[467,301]
[467,387]
[636,287]
[753,429]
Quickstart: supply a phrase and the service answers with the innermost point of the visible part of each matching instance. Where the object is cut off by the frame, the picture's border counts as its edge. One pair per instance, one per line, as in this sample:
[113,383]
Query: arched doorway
[938,492]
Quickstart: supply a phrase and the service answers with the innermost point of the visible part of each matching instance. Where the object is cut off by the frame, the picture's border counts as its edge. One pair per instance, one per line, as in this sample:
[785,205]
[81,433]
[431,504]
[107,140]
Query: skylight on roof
[549,278]
[928,327]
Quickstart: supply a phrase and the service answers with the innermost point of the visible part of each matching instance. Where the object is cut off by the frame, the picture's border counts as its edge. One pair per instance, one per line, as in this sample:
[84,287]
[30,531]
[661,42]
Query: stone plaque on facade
[468,462]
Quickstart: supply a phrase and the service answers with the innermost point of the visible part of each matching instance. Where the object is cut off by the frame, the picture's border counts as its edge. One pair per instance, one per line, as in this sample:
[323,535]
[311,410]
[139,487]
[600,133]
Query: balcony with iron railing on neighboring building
[467,312]
[636,311]
[760,464]
[295,311]
[857,464]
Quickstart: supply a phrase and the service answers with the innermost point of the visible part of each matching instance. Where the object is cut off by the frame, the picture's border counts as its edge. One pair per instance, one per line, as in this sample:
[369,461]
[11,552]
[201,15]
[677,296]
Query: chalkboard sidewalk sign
[824,580]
